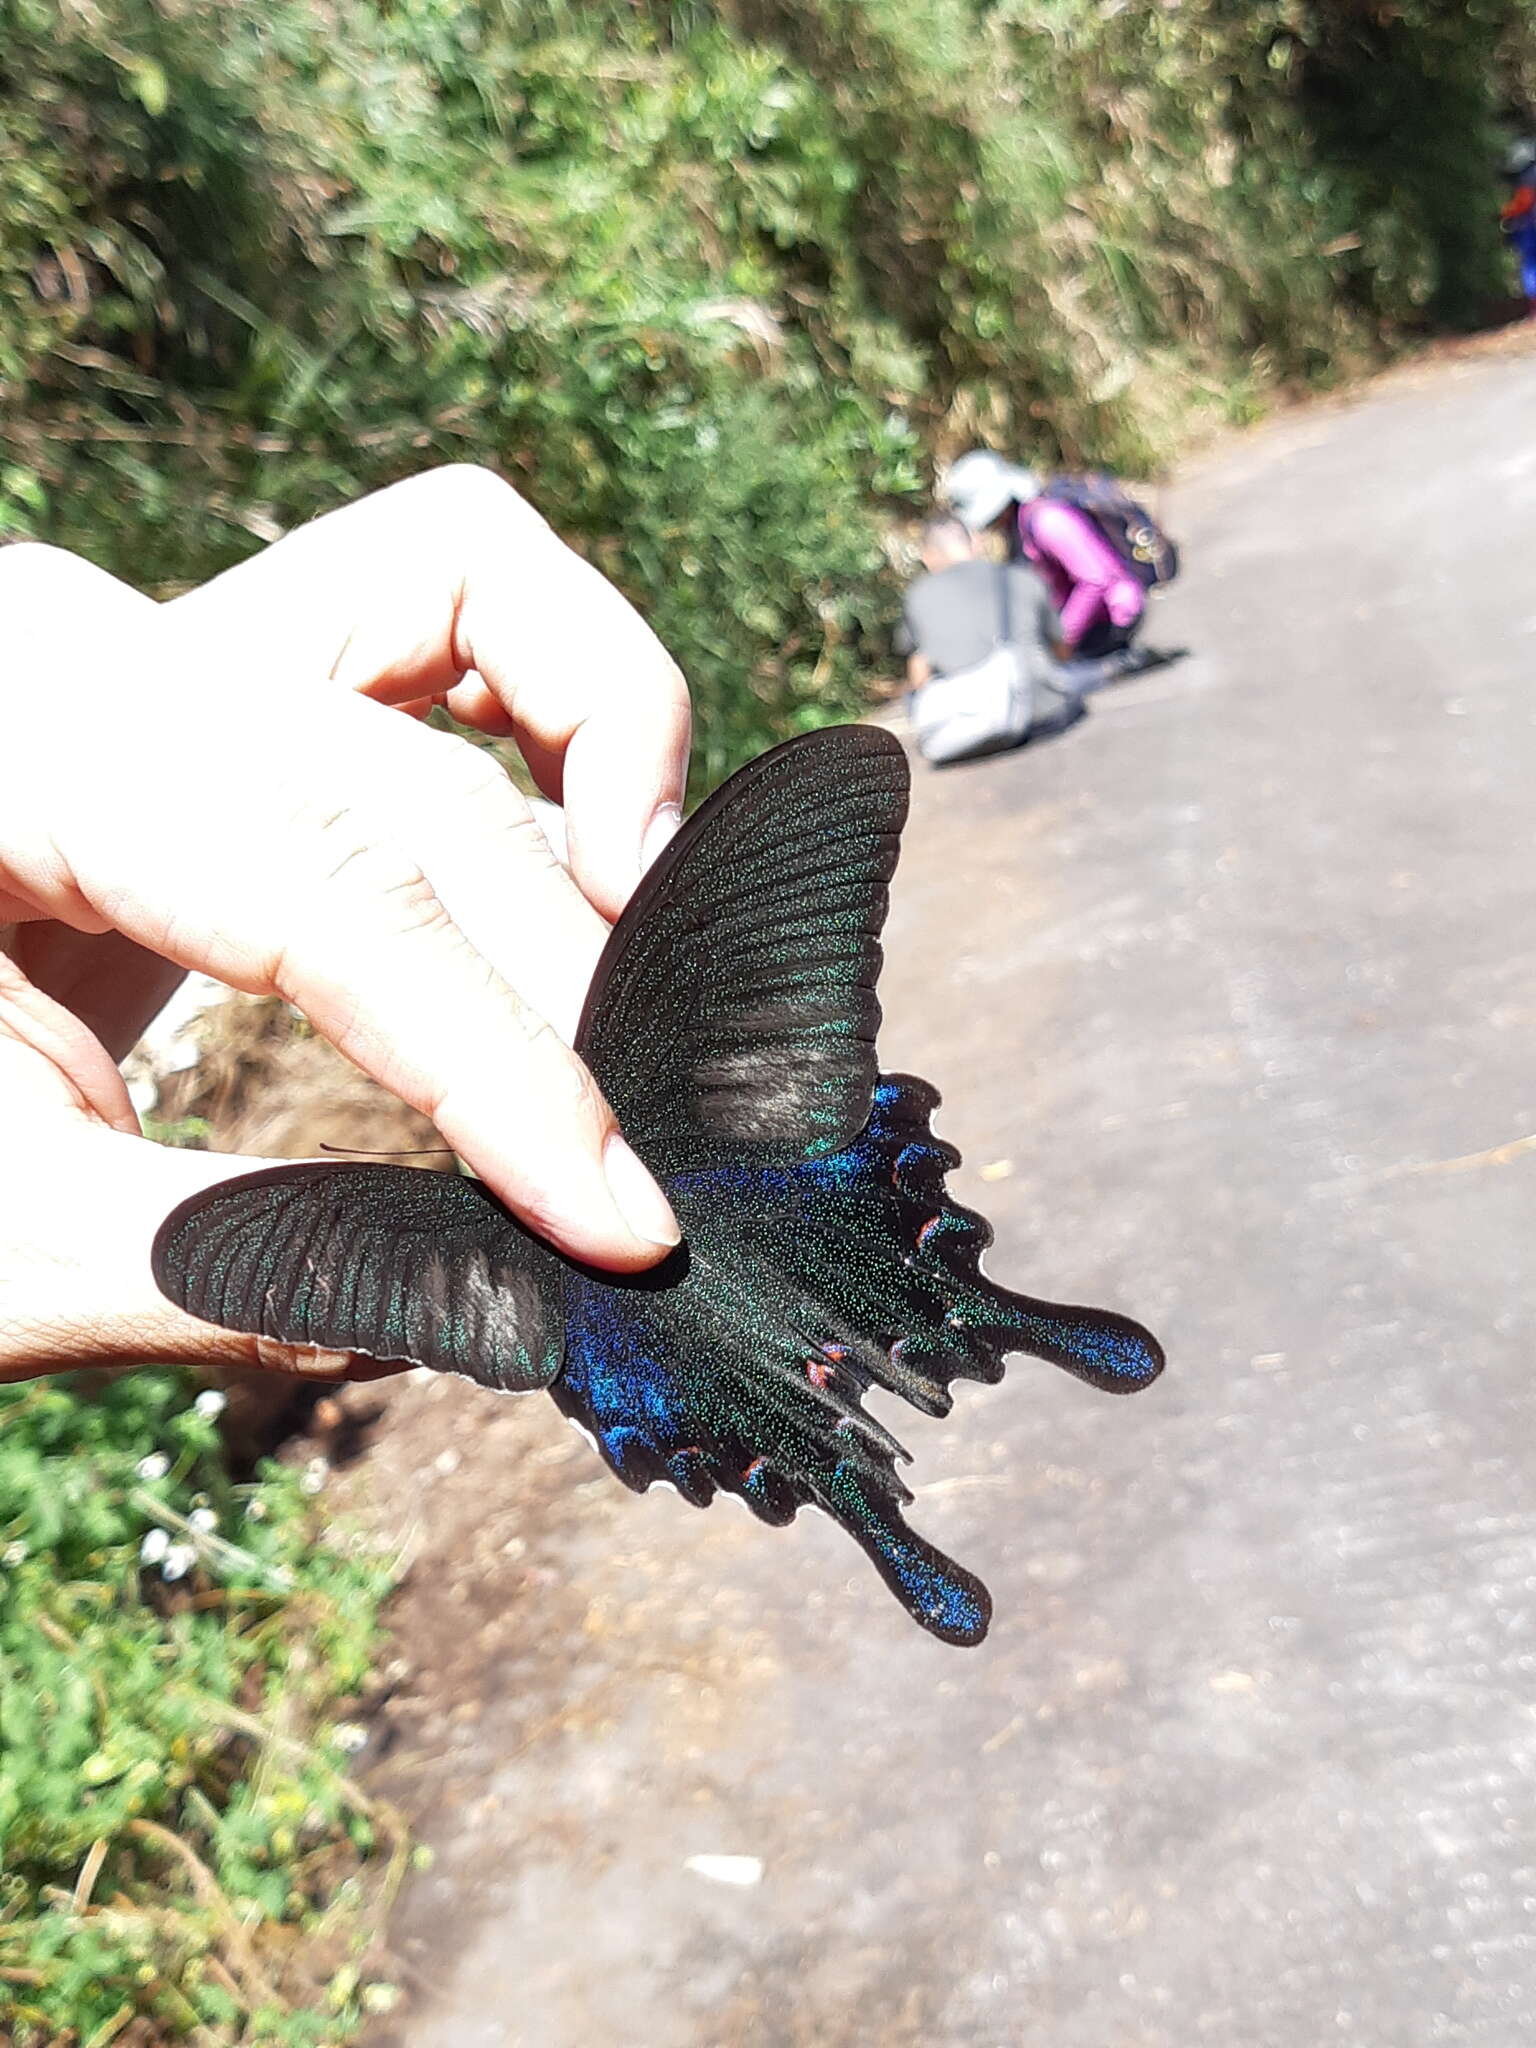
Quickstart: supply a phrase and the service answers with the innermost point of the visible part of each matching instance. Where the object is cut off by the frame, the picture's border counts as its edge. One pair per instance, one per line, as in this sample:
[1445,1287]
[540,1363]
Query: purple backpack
[1129,528]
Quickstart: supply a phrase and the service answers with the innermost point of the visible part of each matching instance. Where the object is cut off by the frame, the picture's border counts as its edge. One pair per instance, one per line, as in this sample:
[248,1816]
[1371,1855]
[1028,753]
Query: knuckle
[471,491]
[344,851]
[464,773]
[526,847]
[475,790]
[31,565]
[564,1080]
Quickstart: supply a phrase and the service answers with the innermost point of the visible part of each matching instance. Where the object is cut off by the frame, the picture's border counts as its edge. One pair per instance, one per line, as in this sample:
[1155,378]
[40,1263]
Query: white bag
[975,711]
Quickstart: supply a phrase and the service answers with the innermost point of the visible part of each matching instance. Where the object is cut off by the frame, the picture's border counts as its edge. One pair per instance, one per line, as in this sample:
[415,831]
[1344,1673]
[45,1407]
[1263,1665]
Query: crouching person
[980,638]
[1099,551]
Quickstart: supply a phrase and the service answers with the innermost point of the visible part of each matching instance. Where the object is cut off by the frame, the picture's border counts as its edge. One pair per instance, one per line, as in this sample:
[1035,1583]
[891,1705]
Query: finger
[475,704]
[342,921]
[382,970]
[476,839]
[607,737]
[76,1285]
[66,1066]
[406,593]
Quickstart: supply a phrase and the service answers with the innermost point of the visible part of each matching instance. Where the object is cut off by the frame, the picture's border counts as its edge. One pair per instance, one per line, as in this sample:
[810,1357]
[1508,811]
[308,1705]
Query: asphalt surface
[1231,992]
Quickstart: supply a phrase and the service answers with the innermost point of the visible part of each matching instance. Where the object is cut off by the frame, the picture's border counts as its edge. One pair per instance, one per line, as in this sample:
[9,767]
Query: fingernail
[301,1358]
[636,1196]
[664,823]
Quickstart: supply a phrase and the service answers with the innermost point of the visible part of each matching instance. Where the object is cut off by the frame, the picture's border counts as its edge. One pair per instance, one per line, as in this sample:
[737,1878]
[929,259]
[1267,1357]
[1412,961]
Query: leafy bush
[174,1652]
[711,280]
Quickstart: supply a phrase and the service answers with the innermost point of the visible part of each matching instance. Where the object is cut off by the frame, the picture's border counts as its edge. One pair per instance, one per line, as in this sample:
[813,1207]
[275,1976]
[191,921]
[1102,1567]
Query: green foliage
[190,1133]
[705,278]
[173,1805]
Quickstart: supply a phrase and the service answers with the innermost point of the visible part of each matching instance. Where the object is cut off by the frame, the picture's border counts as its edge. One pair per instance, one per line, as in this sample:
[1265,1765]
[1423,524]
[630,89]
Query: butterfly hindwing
[425,1268]
[806,1285]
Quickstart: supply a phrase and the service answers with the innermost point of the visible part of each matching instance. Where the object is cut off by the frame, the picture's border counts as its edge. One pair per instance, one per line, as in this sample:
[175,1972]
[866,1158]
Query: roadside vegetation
[183,1856]
[715,282]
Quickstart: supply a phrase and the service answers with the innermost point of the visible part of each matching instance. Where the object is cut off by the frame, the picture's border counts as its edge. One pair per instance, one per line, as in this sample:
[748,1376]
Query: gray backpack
[981,709]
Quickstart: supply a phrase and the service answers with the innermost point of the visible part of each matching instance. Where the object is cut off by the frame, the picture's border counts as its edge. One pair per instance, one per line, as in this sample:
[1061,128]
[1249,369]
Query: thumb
[78,1215]
[81,1199]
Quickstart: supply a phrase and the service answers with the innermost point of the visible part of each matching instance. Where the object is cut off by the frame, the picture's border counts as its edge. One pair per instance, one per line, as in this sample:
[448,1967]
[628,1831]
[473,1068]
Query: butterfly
[731,1024]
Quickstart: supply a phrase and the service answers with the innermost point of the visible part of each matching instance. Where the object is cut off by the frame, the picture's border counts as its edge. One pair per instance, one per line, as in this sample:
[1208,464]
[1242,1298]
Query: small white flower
[209,1403]
[154,1547]
[349,1736]
[155,1466]
[203,1520]
[256,1511]
[179,1560]
[737,1870]
[13,1553]
[314,1476]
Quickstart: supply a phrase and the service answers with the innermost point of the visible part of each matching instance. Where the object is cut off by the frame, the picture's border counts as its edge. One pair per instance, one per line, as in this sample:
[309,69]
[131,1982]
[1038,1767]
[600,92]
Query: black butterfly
[731,1024]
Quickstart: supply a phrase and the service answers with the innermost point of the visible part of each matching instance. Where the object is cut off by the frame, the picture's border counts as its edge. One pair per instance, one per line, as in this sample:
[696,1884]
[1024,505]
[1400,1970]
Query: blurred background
[715,283]
[392,1718]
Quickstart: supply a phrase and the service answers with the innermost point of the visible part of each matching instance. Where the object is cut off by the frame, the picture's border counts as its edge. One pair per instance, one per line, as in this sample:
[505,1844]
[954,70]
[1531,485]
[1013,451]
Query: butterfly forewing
[734,1010]
[425,1268]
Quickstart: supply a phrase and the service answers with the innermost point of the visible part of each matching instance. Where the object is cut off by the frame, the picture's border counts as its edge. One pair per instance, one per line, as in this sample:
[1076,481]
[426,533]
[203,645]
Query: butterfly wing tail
[879,1236]
[1107,1350]
[656,1422]
[940,1595]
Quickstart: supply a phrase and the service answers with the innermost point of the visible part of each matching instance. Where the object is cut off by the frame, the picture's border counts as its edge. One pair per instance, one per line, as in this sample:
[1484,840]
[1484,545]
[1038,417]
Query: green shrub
[179,1843]
[707,279]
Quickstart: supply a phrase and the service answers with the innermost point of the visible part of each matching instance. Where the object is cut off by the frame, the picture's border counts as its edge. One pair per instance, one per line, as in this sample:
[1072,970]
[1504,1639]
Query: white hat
[981,486]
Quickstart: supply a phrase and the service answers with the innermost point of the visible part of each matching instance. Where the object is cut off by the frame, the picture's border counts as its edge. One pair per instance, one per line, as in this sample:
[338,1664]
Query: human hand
[221,783]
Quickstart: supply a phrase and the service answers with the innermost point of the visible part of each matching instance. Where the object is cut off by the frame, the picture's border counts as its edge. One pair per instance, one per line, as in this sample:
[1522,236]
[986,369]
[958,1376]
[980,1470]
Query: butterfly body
[732,1025]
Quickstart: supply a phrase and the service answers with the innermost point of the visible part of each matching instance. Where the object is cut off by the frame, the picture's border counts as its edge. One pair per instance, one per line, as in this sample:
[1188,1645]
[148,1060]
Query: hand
[222,783]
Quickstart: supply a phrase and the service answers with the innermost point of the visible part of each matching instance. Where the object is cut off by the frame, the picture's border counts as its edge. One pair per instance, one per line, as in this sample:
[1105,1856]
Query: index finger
[450,585]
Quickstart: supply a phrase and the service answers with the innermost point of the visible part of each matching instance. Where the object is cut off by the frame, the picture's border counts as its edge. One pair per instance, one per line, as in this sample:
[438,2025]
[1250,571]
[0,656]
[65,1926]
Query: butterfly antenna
[383,1152]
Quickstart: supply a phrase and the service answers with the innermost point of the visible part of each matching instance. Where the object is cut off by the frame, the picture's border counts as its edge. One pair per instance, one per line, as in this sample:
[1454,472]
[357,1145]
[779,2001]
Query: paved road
[1240,977]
